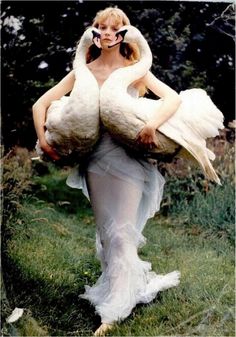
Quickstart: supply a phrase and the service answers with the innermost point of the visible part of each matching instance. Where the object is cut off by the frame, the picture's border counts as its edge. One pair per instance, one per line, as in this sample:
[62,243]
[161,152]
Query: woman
[124,190]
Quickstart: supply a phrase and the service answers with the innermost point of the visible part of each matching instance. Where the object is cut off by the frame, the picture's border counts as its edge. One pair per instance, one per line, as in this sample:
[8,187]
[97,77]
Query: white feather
[15,315]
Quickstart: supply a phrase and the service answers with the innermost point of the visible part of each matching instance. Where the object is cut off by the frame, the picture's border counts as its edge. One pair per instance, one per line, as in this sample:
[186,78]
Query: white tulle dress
[124,191]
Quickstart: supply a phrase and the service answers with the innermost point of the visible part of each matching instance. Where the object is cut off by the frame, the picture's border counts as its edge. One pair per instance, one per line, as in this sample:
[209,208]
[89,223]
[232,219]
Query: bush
[16,179]
[201,203]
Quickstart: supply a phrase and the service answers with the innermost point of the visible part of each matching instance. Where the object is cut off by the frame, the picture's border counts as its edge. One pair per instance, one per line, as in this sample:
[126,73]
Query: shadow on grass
[60,307]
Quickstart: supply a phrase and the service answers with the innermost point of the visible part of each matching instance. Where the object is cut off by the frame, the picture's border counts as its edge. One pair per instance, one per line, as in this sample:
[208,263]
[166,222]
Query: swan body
[185,132]
[72,122]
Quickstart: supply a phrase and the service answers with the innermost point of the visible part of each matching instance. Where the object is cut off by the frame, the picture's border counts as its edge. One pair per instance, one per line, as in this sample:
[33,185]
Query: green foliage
[200,203]
[52,188]
[213,211]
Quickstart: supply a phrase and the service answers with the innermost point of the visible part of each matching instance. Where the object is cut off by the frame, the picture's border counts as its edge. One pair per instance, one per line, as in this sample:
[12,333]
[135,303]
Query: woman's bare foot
[104,327]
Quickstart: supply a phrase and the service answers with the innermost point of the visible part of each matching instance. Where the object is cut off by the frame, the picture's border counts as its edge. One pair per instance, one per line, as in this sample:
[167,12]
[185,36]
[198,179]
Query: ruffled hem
[126,280]
[118,306]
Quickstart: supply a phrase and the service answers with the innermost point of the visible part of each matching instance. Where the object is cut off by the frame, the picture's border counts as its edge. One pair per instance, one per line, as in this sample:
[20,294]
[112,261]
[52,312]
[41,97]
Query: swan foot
[103,329]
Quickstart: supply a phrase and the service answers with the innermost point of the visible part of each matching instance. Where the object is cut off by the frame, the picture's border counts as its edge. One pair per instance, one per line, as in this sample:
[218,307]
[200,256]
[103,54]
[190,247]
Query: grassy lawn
[49,255]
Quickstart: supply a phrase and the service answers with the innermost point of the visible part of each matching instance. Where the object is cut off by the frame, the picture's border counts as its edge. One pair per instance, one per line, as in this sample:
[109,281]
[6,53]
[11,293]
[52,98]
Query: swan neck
[80,55]
[139,69]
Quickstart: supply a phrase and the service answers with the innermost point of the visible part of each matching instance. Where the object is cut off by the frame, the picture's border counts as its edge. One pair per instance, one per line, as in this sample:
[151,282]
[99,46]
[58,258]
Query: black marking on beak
[122,34]
[96,34]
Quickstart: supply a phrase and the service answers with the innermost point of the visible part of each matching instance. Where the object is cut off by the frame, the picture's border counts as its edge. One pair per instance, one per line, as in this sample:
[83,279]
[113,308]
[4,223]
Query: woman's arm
[171,102]
[41,105]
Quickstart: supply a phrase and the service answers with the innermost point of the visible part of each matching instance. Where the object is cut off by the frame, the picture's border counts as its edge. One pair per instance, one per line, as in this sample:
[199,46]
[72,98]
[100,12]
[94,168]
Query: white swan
[196,119]
[72,122]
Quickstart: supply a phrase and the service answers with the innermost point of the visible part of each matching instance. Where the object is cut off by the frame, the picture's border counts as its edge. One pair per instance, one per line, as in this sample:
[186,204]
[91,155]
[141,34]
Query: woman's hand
[147,136]
[48,150]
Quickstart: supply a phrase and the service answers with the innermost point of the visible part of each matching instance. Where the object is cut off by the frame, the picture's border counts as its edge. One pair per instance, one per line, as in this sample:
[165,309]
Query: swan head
[127,34]
[90,36]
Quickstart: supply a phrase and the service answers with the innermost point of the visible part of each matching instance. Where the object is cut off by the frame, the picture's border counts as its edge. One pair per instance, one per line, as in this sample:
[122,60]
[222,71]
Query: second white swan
[196,119]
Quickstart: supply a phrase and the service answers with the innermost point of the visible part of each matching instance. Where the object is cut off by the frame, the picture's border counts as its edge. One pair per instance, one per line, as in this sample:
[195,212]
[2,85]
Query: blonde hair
[129,50]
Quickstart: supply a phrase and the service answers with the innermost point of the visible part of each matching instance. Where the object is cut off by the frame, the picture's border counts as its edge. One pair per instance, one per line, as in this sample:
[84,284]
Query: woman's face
[108,29]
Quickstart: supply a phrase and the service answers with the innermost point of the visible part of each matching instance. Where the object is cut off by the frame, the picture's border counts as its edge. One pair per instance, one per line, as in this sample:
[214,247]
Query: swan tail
[195,147]
[202,157]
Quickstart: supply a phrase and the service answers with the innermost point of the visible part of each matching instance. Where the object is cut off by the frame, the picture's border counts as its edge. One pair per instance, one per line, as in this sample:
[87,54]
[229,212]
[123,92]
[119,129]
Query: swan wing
[196,120]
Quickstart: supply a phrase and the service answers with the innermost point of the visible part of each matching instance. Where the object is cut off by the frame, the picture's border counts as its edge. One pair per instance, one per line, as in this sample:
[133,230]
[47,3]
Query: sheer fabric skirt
[124,192]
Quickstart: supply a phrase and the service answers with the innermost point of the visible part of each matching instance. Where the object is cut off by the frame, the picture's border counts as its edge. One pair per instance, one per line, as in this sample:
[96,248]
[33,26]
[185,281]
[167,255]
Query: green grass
[211,210]
[49,256]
